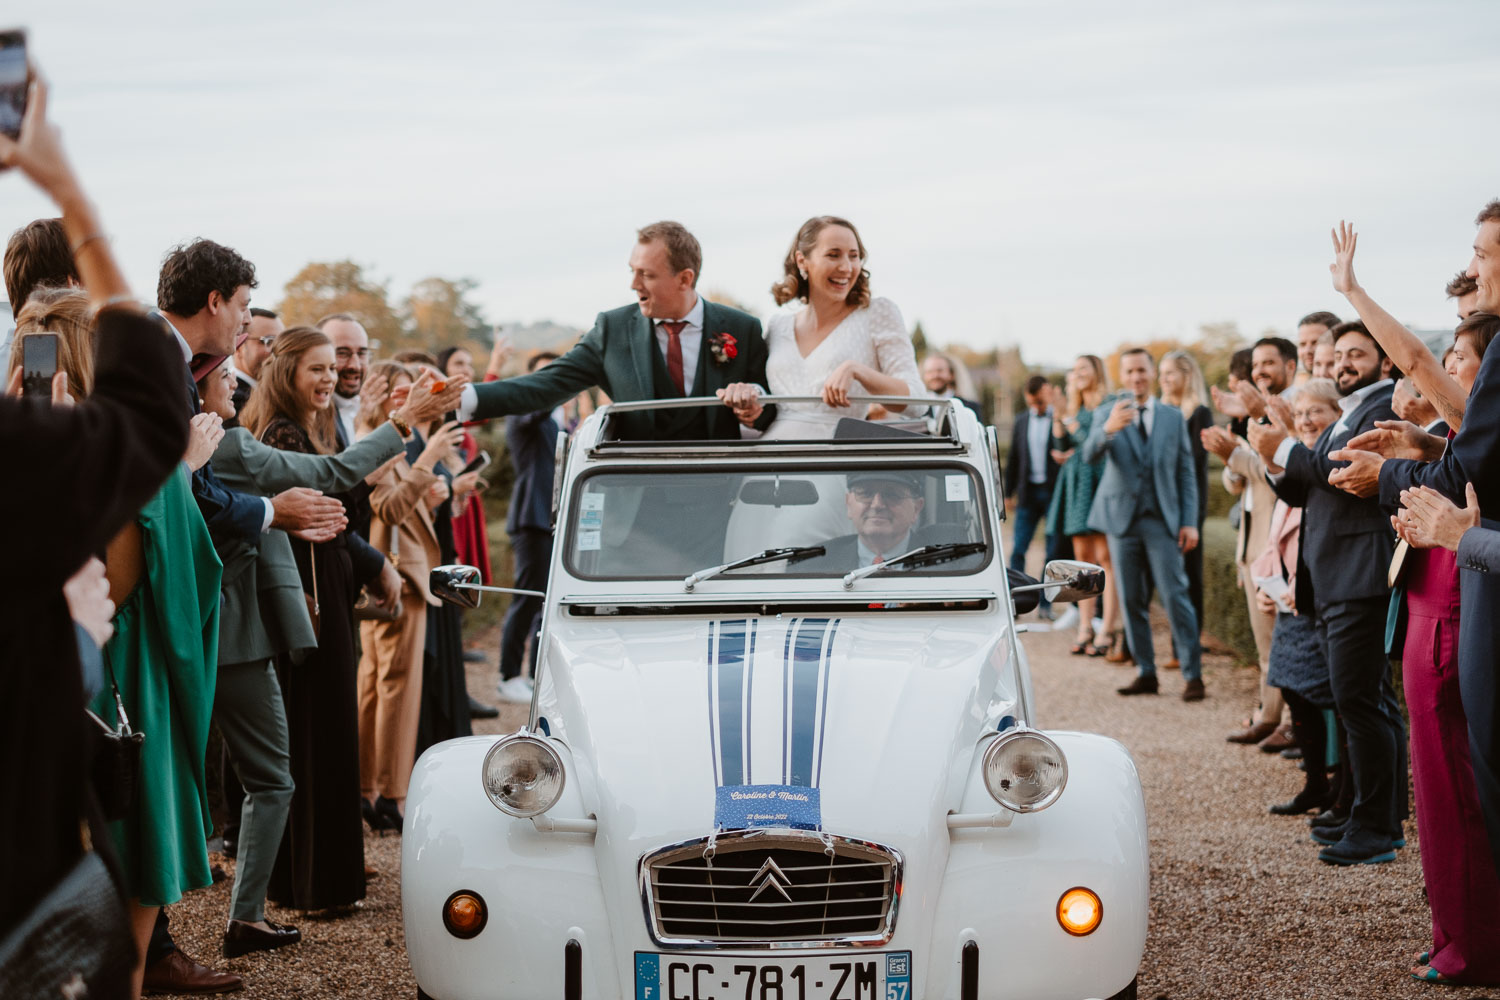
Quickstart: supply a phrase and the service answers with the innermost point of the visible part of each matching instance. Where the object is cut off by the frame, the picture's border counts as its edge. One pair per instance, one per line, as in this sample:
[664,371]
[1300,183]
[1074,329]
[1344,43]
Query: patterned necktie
[674,351]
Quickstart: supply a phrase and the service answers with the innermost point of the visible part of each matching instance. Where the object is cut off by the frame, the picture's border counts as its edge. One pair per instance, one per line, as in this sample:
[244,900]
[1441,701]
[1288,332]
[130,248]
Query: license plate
[879,976]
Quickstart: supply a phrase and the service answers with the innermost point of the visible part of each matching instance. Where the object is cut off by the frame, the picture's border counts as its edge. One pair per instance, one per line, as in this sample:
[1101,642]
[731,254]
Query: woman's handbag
[117,760]
[312,599]
[76,940]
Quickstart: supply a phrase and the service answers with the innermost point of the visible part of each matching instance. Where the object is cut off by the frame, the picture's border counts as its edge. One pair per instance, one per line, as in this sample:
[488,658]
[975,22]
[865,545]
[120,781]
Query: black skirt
[321,863]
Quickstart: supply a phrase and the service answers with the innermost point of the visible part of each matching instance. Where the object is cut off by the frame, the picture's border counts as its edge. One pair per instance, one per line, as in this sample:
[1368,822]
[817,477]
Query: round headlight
[1025,771]
[523,776]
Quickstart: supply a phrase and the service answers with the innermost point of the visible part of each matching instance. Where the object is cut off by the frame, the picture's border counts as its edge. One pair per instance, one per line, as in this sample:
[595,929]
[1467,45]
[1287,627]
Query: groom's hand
[744,399]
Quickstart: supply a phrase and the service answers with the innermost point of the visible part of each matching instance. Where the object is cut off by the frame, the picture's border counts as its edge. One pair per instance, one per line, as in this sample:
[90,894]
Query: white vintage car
[763,765]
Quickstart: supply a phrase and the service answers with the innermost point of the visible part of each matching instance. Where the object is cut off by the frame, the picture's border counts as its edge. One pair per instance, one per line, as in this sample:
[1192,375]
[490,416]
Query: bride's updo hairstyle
[795,286]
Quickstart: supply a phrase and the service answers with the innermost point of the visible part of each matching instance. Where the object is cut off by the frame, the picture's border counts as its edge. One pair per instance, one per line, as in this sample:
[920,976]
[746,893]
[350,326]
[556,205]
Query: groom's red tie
[674,351]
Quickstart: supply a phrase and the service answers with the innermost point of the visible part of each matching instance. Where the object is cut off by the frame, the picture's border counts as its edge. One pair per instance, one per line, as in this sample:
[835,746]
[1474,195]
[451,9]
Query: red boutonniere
[723,347]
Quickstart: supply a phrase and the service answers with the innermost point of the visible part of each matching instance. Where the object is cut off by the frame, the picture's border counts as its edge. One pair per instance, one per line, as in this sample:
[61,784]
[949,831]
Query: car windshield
[664,523]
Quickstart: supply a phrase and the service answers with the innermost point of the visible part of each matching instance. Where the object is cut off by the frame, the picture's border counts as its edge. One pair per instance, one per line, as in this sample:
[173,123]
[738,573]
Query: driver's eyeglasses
[266,342]
[345,354]
[865,494]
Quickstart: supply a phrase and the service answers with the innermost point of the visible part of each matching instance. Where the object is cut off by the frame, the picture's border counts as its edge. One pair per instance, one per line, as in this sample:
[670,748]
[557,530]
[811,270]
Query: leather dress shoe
[479,710]
[174,972]
[1331,835]
[1303,802]
[1193,691]
[1279,740]
[1330,817]
[1358,847]
[241,938]
[1143,684]
[1252,734]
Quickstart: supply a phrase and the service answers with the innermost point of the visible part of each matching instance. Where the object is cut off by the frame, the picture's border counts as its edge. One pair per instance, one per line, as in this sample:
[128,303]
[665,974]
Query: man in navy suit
[1031,474]
[532,441]
[1147,503]
[1345,549]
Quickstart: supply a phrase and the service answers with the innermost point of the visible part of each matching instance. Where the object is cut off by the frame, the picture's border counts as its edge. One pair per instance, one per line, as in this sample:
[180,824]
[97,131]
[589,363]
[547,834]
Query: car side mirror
[1068,581]
[456,585]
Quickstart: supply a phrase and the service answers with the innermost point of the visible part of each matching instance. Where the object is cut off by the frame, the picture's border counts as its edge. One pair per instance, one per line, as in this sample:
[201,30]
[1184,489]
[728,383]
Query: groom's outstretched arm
[581,368]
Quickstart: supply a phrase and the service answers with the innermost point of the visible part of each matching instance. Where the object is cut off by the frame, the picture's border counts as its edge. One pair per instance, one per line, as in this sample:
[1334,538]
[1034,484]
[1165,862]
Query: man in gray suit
[1147,503]
[265,615]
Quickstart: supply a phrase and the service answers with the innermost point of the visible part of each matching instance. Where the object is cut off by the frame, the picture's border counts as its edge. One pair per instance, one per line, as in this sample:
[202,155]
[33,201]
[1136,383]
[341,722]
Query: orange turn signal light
[1079,911]
[464,914]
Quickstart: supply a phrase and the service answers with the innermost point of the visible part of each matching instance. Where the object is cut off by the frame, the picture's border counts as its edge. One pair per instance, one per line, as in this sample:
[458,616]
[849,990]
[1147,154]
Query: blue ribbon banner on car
[742,807]
[793,661]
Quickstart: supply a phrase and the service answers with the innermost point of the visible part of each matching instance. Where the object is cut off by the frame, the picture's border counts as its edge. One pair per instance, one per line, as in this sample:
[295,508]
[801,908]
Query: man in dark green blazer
[669,344]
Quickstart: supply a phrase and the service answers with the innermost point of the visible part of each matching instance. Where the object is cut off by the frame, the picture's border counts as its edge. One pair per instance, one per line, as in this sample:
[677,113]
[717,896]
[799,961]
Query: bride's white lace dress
[875,336]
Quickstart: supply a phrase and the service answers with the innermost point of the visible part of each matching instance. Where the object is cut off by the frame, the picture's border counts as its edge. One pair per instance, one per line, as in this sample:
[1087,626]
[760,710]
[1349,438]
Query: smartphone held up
[15,75]
[38,364]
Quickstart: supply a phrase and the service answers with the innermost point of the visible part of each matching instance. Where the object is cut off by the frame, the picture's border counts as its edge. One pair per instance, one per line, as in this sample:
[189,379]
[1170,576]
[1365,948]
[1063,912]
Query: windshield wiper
[917,557]
[791,555]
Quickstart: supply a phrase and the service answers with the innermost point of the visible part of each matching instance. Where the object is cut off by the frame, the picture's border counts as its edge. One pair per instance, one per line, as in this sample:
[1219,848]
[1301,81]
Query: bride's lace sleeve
[893,351]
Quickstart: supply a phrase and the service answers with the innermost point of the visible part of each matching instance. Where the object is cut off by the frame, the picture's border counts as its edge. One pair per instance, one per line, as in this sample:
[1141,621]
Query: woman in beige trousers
[390,669]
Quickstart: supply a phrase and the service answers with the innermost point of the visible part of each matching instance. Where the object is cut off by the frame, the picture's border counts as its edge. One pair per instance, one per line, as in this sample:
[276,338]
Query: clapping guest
[1273,365]
[471,538]
[1311,329]
[1298,669]
[1031,475]
[1346,547]
[390,667]
[1456,864]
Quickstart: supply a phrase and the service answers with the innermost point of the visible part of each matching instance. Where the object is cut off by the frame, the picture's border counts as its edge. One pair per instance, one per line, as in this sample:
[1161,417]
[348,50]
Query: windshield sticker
[588,541]
[794,678]
[592,502]
[742,807]
[957,487]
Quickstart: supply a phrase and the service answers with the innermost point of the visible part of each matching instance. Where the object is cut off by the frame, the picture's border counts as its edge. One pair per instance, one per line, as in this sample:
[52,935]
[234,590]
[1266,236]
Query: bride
[841,336]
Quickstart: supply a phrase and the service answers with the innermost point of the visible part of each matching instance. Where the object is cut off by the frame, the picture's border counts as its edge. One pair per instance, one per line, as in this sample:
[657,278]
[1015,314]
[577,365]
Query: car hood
[861,726]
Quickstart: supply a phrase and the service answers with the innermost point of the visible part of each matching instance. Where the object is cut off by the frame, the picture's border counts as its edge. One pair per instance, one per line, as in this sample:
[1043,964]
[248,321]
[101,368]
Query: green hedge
[1225,616]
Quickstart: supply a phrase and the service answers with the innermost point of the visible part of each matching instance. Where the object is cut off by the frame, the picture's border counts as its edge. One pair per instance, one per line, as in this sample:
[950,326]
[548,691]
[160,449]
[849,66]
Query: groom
[669,344]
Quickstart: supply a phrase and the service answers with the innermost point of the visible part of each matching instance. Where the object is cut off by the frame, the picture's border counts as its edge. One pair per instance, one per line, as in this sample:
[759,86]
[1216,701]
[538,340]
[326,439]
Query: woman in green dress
[1077,481]
[164,578]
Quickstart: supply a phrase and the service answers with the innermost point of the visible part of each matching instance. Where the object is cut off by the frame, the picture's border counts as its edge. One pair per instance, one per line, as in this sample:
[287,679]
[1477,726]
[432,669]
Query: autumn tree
[439,313]
[324,287]
[919,340]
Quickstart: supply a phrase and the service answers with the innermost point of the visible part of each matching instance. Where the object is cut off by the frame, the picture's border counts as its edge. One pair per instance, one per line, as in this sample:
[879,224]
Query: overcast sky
[1063,176]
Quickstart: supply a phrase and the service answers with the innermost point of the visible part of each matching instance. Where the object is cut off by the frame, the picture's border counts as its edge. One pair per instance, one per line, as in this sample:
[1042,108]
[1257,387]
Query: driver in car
[884,506]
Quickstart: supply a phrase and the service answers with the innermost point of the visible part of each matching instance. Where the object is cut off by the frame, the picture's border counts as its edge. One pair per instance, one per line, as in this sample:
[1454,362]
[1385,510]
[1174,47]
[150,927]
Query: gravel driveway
[1241,908]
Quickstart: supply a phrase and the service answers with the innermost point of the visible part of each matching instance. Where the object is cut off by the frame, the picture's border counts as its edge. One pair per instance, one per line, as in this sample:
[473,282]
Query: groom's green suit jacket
[621,356]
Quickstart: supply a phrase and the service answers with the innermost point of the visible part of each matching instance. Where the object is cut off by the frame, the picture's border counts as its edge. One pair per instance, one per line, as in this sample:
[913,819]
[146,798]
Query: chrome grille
[772,889]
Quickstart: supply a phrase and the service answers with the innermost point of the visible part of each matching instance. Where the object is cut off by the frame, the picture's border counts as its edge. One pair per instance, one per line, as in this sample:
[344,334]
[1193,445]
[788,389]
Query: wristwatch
[400,423]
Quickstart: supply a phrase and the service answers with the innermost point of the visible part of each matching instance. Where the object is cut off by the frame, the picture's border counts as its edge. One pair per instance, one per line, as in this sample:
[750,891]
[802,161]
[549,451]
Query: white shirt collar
[694,315]
[1351,402]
